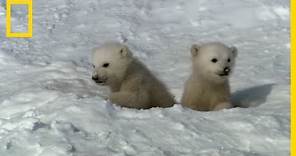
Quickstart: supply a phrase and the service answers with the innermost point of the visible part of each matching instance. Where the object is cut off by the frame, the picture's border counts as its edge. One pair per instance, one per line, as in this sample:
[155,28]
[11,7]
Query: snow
[51,107]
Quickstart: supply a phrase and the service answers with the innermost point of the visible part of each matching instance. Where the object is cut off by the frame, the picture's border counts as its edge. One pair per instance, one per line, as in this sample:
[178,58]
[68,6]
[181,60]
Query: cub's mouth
[99,81]
[223,74]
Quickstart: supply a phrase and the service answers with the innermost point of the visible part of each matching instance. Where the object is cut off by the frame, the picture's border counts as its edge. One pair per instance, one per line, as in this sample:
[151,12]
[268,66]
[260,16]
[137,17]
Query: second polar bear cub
[132,84]
[208,88]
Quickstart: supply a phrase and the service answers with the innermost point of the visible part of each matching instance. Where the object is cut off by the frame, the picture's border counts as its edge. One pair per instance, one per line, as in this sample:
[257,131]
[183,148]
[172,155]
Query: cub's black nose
[226,69]
[95,78]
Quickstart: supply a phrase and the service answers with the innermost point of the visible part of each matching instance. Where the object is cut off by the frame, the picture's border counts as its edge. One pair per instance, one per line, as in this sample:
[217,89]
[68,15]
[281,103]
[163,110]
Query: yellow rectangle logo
[27,34]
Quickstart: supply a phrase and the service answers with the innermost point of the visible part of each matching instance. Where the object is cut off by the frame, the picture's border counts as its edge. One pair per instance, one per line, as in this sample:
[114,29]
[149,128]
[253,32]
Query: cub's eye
[228,60]
[214,60]
[105,65]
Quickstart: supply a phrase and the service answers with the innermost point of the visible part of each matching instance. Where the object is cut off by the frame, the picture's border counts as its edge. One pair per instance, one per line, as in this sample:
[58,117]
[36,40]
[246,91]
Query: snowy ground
[50,107]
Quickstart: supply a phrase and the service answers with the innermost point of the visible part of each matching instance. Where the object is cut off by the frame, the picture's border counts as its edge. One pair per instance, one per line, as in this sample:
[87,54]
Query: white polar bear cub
[132,84]
[208,89]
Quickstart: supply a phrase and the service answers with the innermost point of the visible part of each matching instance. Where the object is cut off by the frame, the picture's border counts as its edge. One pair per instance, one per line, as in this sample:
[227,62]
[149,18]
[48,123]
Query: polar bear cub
[208,88]
[132,84]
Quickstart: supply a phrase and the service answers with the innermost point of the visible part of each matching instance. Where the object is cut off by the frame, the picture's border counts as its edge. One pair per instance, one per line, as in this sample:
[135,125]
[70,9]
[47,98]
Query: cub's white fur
[208,88]
[131,83]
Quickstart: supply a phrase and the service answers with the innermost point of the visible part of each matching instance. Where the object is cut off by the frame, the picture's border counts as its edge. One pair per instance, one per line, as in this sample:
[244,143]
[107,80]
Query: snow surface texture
[49,105]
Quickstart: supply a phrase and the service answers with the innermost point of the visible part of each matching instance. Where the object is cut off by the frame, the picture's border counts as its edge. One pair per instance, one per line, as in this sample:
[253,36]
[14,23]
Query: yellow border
[27,34]
[293,75]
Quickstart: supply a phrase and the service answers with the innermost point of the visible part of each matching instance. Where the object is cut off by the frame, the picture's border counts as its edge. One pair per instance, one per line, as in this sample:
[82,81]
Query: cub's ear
[194,50]
[234,51]
[124,51]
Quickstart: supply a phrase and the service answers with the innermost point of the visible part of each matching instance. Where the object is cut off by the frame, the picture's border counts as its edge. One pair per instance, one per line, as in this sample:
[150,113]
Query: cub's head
[213,61]
[110,62]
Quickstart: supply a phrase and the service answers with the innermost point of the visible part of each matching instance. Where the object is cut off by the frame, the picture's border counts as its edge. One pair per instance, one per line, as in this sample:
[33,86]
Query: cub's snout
[99,80]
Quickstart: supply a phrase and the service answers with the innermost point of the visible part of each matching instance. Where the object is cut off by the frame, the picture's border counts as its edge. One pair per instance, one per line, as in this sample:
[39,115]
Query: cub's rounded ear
[234,51]
[124,51]
[194,49]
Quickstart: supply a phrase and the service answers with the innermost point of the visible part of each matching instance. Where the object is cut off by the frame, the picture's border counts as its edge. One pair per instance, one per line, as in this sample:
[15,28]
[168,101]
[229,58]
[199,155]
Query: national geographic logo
[29,5]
